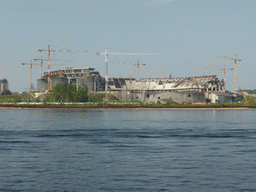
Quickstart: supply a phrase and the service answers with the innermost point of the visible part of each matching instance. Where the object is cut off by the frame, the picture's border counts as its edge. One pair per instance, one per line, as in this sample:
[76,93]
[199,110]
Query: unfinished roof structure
[181,84]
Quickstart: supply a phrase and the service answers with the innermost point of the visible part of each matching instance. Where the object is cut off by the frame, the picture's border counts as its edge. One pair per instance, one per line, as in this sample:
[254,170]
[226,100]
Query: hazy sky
[183,33]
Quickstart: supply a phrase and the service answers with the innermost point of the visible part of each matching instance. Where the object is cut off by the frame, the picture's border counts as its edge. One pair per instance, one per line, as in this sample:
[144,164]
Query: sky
[182,34]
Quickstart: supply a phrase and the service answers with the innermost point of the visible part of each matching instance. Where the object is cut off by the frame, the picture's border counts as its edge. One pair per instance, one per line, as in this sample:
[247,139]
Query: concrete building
[73,76]
[199,89]
[3,85]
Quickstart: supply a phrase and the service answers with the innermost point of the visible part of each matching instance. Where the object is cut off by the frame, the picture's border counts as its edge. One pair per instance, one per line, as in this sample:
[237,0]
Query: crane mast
[41,61]
[48,60]
[31,64]
[223,68]
[235,60]
[106,53]
[134,64]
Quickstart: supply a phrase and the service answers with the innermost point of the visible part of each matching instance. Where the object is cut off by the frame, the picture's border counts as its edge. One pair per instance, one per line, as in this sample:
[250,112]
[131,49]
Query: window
[158,97]
[148,95]
[188,95]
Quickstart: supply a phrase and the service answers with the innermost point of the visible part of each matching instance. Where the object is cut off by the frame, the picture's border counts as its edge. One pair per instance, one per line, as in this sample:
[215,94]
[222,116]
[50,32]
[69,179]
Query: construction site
[197,89]
[73,76]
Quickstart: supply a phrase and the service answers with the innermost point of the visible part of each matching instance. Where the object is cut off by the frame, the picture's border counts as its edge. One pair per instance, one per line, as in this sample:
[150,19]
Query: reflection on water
[127,150]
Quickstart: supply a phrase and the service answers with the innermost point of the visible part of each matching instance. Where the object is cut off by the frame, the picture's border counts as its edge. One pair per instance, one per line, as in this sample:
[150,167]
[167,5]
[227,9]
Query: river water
[127,150]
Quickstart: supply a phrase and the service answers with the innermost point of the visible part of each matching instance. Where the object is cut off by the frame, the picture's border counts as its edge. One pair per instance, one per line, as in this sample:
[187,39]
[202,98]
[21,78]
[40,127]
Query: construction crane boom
[106,53]
[48,59]
[31,64]
[30,72]
[235,60]
[228,58]
[134,64]
[41,61]
[223,68]
[54,60]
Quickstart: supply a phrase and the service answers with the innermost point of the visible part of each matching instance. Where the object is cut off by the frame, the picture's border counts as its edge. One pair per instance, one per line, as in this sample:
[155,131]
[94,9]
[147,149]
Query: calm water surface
[128,150]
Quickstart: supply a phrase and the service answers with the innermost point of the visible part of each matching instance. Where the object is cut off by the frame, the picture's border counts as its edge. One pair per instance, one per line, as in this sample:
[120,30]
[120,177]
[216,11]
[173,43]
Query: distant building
[73,76]
[3,85]
[198,89]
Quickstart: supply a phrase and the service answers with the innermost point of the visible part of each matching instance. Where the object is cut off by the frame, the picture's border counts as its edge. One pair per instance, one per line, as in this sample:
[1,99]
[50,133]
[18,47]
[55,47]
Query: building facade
[3,85]
[73,76]
[198,89]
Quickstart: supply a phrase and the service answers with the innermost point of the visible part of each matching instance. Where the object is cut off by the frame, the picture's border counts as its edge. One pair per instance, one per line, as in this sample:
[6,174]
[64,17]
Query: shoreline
[27,107]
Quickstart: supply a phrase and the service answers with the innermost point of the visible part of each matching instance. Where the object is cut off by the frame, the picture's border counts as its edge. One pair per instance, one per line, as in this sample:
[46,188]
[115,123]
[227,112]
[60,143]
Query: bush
[225,101]
[81,95]
[6,92]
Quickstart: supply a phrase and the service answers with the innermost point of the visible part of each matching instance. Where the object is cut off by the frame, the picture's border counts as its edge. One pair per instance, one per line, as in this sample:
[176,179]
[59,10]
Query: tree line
[63,92]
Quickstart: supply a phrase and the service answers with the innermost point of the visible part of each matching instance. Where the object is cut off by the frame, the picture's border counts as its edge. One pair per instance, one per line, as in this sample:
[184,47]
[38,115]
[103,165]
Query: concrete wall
[179,97]
[93,82]
[42,85]
[88,81]
[56,80]
[150,97]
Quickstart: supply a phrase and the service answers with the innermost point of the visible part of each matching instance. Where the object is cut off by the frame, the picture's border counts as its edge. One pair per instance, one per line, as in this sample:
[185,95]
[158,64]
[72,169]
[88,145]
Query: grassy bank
[98,100]
[124,105]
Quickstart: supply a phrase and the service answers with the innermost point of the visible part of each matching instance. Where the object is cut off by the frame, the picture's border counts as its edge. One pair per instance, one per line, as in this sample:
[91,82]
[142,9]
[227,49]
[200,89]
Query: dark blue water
[128,150]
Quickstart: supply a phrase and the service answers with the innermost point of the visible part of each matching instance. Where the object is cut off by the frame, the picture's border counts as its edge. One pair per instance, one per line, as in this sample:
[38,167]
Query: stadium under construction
[198,89]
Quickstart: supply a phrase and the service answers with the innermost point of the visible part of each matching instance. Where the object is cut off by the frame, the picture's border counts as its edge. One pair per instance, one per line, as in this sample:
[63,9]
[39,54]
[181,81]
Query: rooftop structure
[181,84]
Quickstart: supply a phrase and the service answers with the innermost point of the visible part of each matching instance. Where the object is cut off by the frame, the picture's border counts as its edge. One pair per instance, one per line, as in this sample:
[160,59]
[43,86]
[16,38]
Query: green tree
[63,92]
[71,89]
[6,92]
[81,95]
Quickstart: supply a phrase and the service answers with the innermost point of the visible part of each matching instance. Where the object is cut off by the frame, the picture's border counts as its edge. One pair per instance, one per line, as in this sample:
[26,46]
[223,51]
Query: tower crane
[48,59]
[31,64]
[235,60]
[223,68]
[41,61]
[30,71]
[134,64]
[106,53]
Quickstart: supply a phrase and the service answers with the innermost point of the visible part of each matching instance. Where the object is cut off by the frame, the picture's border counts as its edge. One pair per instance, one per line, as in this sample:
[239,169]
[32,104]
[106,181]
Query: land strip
[125,107]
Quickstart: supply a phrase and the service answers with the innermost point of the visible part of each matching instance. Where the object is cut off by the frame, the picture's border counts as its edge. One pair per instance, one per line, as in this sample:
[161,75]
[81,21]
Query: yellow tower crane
[31,64]
[41,61]
[223,68]
[30,71]
[48,59]
[234,59]
[134,64]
